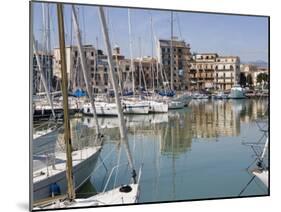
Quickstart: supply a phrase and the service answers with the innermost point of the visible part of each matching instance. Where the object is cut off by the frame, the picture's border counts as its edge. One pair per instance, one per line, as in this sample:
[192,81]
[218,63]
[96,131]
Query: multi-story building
[46,60]
[201,73]
[96,67]
[227,72]
[73,64]
[209,70]
[175,74]
[145,73]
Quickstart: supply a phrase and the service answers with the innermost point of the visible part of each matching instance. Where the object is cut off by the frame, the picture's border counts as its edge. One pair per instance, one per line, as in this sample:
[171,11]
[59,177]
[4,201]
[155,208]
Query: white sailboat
[122,194]
[53,174]
[262,171]
[82,161]
[102,109]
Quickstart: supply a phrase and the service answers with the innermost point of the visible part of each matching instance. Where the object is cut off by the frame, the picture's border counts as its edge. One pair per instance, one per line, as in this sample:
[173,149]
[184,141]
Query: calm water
[192,153]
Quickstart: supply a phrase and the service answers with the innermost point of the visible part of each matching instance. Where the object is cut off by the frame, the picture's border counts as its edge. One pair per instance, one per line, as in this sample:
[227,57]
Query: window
[92,53]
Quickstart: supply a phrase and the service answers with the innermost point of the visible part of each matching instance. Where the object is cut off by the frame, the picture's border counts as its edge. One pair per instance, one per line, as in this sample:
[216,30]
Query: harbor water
[193,153]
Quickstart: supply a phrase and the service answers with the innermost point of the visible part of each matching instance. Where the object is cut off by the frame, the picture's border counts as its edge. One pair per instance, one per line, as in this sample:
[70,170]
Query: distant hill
[258,63]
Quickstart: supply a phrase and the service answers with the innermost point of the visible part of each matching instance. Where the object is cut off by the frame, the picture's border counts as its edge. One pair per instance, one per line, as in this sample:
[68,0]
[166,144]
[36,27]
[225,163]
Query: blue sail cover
[79,93]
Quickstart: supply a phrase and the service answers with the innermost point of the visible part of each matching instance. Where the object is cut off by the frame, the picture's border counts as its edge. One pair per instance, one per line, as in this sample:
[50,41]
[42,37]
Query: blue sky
[244,36]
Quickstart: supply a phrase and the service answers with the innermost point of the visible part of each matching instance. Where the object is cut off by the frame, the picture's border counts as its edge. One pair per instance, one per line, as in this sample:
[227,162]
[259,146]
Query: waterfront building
[46,60]
[181,62]
[96,67]
[227,72]
[209,70]
[202,71]
[145,73]
[73,64]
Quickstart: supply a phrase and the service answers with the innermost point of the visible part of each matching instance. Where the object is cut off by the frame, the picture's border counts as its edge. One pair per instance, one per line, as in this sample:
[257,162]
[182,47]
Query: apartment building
[174,57]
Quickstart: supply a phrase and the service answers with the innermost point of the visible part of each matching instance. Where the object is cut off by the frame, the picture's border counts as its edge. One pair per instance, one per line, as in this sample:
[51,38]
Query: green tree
[242,80]
[262,77]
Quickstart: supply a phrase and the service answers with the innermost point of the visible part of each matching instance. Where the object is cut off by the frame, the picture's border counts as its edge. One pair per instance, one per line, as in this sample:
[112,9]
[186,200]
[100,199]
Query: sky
[227,35]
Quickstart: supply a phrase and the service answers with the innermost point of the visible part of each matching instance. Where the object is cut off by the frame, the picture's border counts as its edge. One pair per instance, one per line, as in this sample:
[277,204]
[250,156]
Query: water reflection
[198,148]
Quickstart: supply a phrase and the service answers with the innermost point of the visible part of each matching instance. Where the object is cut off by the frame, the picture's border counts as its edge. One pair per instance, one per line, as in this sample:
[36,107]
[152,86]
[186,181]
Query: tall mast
[171,53]
[152,69]
[83,64]
[43,79]
[122,128]
[131,51]
[140,67]
[49,46]
[67,137]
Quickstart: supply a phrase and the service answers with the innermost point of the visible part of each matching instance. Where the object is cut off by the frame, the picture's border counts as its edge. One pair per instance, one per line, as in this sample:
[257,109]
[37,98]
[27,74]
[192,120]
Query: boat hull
[81,171]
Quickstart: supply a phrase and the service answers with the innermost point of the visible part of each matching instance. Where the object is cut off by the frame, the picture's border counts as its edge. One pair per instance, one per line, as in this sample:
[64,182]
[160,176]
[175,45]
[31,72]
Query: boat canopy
[79,93]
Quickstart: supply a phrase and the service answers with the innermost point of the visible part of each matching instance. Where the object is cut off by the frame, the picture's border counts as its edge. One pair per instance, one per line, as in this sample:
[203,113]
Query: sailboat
[262,171]
[52,174]
[123,194]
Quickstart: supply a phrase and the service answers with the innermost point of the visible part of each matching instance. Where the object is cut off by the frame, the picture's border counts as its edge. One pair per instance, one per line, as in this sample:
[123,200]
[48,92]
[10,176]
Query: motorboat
[237,92]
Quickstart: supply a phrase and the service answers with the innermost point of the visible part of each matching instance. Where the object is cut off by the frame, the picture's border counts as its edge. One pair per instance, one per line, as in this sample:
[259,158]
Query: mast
[171,53]
[83,64]
[131,51]
[43,79]
[152,69]
[140,67]
[122,128]
[67,137]
[49,46]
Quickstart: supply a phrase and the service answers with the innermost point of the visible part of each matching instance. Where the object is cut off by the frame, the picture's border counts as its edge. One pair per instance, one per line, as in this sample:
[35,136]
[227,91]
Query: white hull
[102,109]
[157,107]
[262,175]
[84,162]
[111,197]
[175,105]
[237,93]
[44,142]
[135,107]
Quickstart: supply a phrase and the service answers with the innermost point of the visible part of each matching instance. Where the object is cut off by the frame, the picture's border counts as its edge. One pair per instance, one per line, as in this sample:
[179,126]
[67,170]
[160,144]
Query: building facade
[211,71]
[202,71]
[46,60]
[227,72]
[181,57]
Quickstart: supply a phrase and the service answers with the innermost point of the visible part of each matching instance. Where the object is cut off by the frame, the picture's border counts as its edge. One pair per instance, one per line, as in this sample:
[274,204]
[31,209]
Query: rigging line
[242,191]
[83,20]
